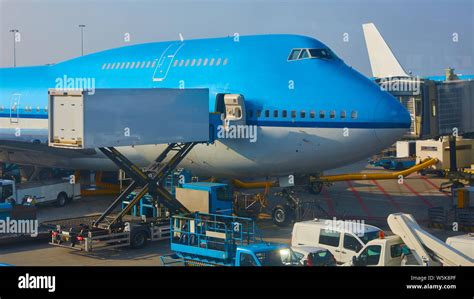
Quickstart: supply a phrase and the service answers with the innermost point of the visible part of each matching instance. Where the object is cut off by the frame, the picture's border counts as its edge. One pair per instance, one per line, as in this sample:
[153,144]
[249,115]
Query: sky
[427,36]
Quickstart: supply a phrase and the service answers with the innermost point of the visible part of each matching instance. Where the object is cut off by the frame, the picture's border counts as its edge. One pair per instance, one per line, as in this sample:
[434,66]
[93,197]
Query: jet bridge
[109,118]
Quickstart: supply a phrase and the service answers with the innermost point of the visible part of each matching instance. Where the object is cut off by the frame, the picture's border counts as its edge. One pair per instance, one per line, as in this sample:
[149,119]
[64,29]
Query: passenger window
[294,54]
[396,250]
[322,114]
[343,114]
[330,238]
[259,113]
[312,114]
[332,114]
[247,260]
[267,113]
[304,54]
[284,114]
[371,255]
[351,243]
[293,114]
[303,114]
[354,114]
[249,113]
[275,113]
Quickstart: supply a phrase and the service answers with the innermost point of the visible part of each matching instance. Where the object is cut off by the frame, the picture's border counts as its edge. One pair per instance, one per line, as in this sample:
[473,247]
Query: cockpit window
[297,54]
[294,54]
[304,54]
[320,53]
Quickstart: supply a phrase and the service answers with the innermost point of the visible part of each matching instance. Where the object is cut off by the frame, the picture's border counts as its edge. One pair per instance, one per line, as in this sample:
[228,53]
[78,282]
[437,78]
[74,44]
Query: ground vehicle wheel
[281,216]
[315,187]
[61,200]
[138,239]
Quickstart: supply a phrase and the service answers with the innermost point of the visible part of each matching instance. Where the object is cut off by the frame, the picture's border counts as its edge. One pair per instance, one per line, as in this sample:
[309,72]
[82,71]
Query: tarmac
[371,201]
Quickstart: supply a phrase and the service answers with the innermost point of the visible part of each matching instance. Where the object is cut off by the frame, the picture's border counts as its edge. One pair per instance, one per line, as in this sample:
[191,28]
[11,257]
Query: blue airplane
[311,111]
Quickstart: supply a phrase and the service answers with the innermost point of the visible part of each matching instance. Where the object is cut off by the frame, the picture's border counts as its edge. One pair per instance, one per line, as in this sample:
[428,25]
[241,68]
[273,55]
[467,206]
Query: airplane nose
[391,113]
[391,118]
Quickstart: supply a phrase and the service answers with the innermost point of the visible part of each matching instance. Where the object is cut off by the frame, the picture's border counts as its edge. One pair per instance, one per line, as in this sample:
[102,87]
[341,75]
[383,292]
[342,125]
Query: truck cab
[201,239]
[266,255]
[384,251]
[206,197]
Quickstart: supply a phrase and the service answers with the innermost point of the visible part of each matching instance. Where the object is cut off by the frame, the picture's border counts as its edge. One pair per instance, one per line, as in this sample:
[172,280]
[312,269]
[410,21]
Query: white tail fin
[382,61]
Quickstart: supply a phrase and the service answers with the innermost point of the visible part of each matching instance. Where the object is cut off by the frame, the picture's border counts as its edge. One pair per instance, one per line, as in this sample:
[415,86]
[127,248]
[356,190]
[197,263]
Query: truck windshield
[277,257]
[369,236]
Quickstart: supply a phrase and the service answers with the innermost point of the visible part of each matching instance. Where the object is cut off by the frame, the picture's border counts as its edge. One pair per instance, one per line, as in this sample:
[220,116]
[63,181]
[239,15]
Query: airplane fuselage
[311,114]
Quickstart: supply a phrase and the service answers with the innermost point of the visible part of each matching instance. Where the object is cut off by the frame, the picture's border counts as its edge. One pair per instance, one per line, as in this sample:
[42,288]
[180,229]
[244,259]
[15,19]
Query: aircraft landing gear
[285,214]
[282,215]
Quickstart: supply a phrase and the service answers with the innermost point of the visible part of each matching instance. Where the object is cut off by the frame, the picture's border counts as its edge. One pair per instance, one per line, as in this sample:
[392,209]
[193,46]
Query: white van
[463,243]
[343,238]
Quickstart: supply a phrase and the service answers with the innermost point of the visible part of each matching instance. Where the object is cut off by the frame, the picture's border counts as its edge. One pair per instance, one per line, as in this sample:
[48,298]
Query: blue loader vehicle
[199,239]
[393,163]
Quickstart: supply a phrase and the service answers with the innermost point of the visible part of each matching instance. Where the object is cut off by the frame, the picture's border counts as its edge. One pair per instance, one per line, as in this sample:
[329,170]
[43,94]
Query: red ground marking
[435,186]
[328,200]
[359,199]
[392,200]
[425,201]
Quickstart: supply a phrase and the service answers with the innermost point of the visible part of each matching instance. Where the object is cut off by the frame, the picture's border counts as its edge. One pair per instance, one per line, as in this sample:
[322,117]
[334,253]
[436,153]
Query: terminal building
[437,108]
